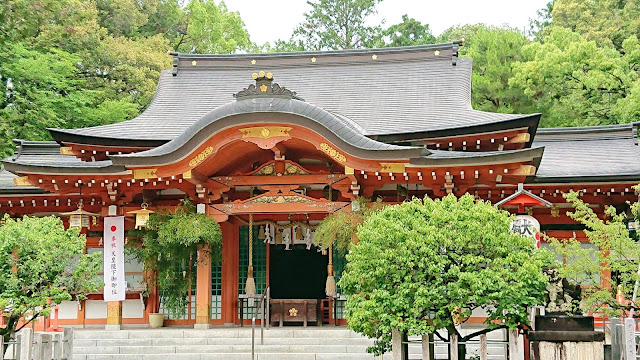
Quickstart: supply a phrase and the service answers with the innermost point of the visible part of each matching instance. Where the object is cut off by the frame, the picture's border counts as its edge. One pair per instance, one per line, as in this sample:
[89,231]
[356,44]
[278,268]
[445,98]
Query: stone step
[216,332]
[229,356]
[221,341]
[231,348]
[235,343]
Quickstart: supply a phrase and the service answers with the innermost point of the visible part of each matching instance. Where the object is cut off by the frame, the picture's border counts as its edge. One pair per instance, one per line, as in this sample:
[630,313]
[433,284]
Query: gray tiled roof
[588,152]
[405,90]
[45,156]
[8,187]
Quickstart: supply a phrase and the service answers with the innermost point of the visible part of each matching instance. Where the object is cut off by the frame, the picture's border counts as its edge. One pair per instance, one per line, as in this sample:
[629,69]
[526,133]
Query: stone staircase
[234,343]
[289,343]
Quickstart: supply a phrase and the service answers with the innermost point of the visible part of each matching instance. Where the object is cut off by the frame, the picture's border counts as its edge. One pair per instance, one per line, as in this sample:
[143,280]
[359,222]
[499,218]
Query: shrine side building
[287,139]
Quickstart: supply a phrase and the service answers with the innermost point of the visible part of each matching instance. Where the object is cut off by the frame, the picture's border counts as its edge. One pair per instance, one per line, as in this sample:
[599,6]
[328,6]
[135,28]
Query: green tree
[607,22]
[42,91]
[615,251]
[76,63]
[494,51]
[440,260]
[164,18]
[42,261]
[409,32]
[122,17]
[338,25]
[538,26]
[211,29]
[576,83]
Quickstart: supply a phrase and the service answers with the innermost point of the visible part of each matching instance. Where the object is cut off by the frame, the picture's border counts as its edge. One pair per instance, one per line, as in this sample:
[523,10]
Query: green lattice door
[339,262]
[216,291]
[259,265]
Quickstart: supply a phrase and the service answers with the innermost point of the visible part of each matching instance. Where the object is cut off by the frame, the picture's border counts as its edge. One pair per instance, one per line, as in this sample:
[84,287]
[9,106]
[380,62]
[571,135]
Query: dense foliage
[615,251]
[42,264]
[169,246]
[440,260]
[337,25]
[76,63]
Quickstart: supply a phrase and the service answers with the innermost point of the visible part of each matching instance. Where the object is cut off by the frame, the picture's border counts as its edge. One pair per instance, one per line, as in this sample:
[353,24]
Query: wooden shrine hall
[287,139]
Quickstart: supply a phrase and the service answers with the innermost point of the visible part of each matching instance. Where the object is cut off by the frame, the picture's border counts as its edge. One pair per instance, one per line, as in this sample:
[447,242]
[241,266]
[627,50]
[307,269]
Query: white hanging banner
[114,282]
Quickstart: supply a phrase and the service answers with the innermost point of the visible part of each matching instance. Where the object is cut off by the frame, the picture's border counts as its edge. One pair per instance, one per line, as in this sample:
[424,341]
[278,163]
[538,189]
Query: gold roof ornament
[265,87]
[79,218]
[142,216]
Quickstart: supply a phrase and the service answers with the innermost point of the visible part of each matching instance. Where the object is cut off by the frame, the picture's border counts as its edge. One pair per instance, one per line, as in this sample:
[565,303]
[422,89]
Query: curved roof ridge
[354,125]
[338,126]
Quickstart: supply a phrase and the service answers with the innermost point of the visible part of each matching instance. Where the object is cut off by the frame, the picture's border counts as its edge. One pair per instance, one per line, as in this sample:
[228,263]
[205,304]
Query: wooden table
[294,310]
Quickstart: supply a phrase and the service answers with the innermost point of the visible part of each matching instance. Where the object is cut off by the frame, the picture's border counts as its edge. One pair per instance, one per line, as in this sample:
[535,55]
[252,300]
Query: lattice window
[216,291]
[259,265]
[339,262]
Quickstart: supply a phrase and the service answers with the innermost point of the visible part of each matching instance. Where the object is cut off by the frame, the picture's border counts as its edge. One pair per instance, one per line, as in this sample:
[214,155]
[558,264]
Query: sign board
[114,282]
[526,225]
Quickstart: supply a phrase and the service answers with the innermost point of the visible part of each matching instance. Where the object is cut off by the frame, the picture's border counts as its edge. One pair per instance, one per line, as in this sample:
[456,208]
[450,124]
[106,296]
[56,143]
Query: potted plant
[168,247]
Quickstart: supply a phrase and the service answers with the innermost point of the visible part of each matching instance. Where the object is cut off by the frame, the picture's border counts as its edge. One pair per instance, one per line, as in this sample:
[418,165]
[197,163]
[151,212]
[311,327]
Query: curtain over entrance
[297,273]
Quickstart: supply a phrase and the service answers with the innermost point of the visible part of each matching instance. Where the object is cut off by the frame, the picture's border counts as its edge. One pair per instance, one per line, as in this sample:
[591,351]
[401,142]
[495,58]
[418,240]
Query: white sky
[269,20]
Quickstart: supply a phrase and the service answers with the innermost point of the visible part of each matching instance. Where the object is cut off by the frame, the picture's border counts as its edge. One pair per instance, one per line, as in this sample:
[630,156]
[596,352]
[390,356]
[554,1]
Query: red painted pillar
[229,272]
[203,288]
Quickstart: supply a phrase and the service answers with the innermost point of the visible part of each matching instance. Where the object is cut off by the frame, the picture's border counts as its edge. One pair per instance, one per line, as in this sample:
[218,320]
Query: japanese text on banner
[114,281]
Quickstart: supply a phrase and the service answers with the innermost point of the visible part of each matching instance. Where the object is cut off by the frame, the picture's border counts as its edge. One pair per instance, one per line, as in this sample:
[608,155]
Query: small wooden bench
[294,310]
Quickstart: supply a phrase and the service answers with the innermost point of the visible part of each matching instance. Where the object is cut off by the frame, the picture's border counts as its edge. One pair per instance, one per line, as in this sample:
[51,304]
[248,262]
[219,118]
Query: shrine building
[286,139]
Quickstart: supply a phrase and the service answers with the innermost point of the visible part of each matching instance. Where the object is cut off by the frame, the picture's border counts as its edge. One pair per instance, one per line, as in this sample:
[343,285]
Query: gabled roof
[408,90]
[523,197]
[596,153]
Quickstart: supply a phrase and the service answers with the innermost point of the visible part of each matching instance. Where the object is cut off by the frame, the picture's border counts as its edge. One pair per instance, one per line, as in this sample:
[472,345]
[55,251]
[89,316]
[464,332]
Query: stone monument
[563,333]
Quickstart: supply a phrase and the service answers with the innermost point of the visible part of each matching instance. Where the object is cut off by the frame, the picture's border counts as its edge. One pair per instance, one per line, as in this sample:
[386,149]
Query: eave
[532,155]
[530,121]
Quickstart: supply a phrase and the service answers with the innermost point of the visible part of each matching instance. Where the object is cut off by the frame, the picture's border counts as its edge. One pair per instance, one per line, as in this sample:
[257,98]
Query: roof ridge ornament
[265,87]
